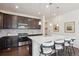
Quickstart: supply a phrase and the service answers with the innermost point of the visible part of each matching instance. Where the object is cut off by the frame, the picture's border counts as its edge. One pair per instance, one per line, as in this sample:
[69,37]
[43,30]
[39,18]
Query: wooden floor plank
[24,51]
[20,51]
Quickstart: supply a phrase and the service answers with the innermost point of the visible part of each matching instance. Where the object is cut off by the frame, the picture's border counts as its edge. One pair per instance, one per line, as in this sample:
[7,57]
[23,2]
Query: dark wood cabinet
[9,21]
[22,19]
[22,22]
[29,23]
[13,42]
[1,21]
[34,24]
[8,42]
[14,22]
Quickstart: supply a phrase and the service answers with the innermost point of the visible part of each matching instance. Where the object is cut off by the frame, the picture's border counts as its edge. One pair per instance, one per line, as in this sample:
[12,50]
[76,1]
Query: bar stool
[67,45]
[71,45]
[47,48]
[59,46]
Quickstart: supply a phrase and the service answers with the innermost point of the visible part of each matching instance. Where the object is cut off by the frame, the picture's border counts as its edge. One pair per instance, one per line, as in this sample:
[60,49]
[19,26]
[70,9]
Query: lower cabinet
[8,42]
[13,42]
[3,43]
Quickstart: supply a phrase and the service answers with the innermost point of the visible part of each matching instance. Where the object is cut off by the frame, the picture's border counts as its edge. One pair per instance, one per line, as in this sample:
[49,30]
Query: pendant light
[50,5]
[58,13]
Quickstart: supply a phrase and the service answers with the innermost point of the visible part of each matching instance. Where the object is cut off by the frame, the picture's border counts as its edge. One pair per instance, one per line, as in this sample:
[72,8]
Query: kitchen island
[38,40]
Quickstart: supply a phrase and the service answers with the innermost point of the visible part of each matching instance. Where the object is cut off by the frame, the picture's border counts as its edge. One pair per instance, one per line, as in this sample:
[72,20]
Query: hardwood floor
[24,51]
[20,51]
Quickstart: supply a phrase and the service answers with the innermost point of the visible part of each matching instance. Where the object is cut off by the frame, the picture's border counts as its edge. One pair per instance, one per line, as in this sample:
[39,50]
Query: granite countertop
[42,39]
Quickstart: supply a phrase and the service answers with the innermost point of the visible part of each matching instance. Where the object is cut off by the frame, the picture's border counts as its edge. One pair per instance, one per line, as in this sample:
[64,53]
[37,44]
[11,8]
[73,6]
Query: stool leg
[56,51]
[45,54]
[40,54]
[69,51]
[73,50]
[63,52]
[66,51]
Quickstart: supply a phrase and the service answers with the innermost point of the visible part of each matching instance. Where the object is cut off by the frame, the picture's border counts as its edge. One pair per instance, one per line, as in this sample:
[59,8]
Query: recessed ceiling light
[54,14]
[16,7]
[57,25]
[39,13]
[47,6]
[50,24]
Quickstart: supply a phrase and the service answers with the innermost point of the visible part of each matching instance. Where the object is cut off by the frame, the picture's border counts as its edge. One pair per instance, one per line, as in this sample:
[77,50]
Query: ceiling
[40,9]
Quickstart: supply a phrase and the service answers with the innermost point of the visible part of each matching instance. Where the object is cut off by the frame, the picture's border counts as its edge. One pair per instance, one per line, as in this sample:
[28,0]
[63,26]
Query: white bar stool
[59,45]
[71,45]
[67,45]
[47,48]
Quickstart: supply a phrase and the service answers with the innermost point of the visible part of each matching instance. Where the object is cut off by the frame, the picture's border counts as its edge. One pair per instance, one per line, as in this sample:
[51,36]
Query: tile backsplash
[6,32]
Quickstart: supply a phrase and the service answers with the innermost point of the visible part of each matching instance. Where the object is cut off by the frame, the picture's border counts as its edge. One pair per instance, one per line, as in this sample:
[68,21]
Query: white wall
[67,17]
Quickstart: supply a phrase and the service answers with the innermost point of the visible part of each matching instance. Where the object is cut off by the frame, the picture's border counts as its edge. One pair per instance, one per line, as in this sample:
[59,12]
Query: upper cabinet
[29,23]
[1,20]
[22,22]
[34,23]
[8,21]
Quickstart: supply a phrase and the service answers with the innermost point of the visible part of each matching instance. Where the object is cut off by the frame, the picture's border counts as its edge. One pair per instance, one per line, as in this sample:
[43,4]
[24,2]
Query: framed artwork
[55,28]
[69,27]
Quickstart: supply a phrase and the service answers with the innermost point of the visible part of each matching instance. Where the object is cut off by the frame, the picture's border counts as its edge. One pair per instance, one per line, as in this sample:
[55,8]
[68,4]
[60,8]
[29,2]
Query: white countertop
[37,40]
[42,39]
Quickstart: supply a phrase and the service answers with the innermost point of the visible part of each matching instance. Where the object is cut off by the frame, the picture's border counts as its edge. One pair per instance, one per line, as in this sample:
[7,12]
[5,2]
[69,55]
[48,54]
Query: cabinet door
[22,22]
[7,21]
[34,24]
[14,22]
[1,20]
[14,41]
